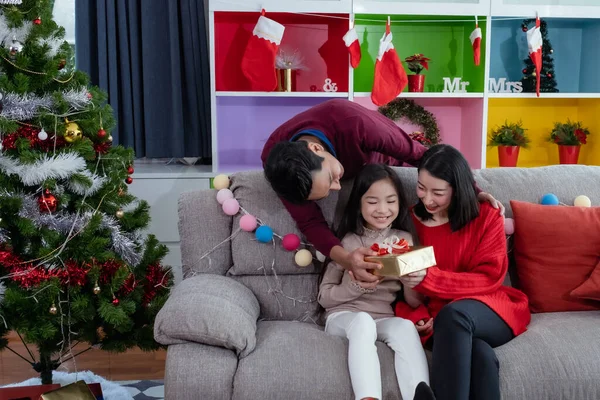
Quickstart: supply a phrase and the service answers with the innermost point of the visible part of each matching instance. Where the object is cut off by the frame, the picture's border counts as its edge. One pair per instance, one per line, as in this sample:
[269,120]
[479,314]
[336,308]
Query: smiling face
[379,205]
[435,193]
[328,178]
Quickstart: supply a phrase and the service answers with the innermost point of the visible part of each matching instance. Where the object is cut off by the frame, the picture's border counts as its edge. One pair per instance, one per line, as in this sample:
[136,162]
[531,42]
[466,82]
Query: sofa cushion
[209,309]
[297,361]
[557,358]
[256,196]
[590,289]
[556,250]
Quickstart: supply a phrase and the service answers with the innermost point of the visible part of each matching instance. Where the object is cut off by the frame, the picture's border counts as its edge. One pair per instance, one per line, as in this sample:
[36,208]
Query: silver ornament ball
[14,47]
[43,135]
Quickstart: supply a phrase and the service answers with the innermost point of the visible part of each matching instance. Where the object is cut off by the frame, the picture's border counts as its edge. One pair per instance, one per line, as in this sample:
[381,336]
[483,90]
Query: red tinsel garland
[31,133]
[155,275]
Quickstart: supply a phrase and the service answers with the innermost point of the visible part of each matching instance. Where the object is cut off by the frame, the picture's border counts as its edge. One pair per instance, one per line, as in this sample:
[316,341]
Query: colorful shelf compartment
[538,117]
[443,39]
[576,53]
[318,39]
[459,120]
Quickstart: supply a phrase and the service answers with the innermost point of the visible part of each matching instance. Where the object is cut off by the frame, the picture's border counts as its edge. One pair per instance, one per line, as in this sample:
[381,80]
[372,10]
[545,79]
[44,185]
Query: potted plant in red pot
[415,64]
[509,138]
[569,137]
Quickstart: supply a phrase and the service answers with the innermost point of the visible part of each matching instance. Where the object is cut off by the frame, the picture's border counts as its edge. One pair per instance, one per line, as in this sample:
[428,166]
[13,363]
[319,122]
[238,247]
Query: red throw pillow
[556,250]
[590,289]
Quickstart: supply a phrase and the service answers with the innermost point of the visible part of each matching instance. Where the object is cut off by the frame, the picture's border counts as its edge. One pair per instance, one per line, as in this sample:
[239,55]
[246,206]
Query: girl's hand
[413,279]
[424,327]
[365,285]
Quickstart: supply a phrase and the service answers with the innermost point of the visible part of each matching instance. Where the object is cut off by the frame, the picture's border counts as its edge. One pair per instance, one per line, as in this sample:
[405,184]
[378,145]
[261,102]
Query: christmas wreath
[404,108]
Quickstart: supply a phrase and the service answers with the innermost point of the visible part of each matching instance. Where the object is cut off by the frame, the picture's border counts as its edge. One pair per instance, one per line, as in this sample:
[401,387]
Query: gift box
[75,391]
[413,259]
[26,392]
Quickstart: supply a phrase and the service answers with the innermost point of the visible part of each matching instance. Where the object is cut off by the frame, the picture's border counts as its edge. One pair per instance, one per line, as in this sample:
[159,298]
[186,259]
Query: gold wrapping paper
[75,391]
[418,258]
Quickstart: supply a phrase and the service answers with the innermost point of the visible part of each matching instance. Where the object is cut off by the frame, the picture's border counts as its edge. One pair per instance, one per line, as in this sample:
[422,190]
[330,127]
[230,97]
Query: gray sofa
[244,323]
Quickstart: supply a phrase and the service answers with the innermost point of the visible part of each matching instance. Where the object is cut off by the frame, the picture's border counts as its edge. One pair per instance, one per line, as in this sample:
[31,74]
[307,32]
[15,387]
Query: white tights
[399,334]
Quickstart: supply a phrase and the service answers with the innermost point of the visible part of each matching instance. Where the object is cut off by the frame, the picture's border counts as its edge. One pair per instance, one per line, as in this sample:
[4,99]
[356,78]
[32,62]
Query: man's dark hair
[447,163]
[289,169]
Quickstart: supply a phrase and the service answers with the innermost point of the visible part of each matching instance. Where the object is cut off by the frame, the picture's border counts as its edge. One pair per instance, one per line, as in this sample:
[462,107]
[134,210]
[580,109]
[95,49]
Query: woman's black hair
[444,162]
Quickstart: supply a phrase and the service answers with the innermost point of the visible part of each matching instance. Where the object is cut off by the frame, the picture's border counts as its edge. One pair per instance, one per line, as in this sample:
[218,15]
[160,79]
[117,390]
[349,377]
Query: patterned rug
[145,390]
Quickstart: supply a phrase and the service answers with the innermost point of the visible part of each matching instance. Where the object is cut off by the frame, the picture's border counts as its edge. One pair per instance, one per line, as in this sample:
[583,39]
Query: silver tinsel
[2,290]
[15,2]
[60,166]
[84,190]
[122,244]
[3,236]
[19,107]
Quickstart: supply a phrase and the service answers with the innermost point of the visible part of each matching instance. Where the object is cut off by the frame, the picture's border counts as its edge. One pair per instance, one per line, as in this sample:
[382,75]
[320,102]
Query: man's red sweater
[359,136]
[471,264]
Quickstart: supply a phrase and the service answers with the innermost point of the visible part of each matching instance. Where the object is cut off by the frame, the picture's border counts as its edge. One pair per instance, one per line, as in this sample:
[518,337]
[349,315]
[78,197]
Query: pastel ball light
[221,182]
[248,223]
[303,258]
[223,195]
[231,206]
[509,226]
[582,201]
[290,242]
[550,199]
[264,234]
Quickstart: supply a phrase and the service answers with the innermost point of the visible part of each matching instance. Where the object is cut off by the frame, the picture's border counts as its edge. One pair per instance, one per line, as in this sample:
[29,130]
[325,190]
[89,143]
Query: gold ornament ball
[221,182]
[303,258]
[72,132]
[53,310]
[96,289]
[120,214]
[582,201]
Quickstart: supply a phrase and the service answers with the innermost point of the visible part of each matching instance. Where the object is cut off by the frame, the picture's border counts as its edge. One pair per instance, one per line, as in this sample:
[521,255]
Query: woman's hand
[424,327]
[363,284]
[413,279]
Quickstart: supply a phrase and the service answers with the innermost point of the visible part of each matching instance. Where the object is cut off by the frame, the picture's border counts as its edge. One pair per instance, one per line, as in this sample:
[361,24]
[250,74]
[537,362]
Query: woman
[472,311]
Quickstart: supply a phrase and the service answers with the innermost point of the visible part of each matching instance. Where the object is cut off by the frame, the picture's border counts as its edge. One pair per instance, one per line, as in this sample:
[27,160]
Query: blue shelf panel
[576,52]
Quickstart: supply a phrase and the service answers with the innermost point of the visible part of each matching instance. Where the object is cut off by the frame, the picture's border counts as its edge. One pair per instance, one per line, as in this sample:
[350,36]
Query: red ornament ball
[290,242]
[37,21]
[549,75]
[130,170]
[115,301]
[89,95]
[62,64]
[47,202]
[129,180]
[524,28]
[101,133]
[524,70]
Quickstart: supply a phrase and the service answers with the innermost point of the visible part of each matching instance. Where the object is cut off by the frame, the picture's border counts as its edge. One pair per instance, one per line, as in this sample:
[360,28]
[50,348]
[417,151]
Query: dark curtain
[151,57]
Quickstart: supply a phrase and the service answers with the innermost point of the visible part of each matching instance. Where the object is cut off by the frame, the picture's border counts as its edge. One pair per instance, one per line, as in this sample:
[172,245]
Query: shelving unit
[439,29]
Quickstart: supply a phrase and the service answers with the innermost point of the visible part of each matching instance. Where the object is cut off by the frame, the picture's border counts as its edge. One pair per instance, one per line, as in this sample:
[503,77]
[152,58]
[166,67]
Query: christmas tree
[548,81]
[74,266]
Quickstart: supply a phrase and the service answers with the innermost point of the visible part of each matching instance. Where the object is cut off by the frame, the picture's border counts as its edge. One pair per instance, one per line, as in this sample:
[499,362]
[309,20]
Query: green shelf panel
[443,39]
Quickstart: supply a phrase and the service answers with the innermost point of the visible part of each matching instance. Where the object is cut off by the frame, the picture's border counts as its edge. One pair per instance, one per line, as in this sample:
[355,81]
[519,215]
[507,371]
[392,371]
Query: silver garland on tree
[3,236]
[122,244]
[22,107]
[2,290]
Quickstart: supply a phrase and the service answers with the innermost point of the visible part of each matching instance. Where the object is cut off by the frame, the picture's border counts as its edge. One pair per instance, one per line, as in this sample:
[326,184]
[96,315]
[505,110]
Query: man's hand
[483,196]
[424,327]
[360,268]
[413,279]
[364,285]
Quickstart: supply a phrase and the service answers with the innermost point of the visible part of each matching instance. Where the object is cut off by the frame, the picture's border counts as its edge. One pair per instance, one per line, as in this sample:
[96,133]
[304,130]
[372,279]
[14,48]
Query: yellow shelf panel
[538,116]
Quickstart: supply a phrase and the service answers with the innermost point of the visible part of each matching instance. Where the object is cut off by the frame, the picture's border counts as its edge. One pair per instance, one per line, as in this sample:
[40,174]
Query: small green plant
[509,134]
[569,133]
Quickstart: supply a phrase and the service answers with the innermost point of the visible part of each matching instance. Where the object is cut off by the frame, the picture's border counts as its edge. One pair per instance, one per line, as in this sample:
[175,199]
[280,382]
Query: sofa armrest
[209,309]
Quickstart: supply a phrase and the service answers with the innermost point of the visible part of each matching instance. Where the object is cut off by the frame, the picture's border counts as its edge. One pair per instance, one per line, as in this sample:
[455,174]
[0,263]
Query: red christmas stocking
[476,43]
[390,76]
[258,63]
[351,41]
[534,43]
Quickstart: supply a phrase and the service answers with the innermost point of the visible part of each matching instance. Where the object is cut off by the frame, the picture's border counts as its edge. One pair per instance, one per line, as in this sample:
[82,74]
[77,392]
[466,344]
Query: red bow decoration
[391,245]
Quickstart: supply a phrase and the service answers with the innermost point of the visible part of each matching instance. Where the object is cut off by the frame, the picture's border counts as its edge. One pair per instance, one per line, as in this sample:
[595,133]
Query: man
[307,156]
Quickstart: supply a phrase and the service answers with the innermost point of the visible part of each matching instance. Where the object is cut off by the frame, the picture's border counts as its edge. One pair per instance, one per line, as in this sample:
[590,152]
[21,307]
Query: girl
[362,311]
[472,311]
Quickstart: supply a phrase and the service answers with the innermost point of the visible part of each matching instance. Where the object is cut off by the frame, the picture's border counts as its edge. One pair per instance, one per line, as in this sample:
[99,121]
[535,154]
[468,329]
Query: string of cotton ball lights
[249,223]
[549,199]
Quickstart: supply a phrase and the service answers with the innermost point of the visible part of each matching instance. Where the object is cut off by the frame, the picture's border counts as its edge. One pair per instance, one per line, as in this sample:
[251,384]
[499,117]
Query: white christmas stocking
[534,43]
[390,76]
[476,43]
[351,41]
[258,62]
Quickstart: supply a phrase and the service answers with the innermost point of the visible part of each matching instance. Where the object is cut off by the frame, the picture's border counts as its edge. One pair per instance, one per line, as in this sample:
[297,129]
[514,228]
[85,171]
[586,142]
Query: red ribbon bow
[391,245]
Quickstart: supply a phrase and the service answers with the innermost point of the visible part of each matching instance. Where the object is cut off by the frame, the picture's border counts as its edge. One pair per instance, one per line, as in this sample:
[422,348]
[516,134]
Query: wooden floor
[132,365]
